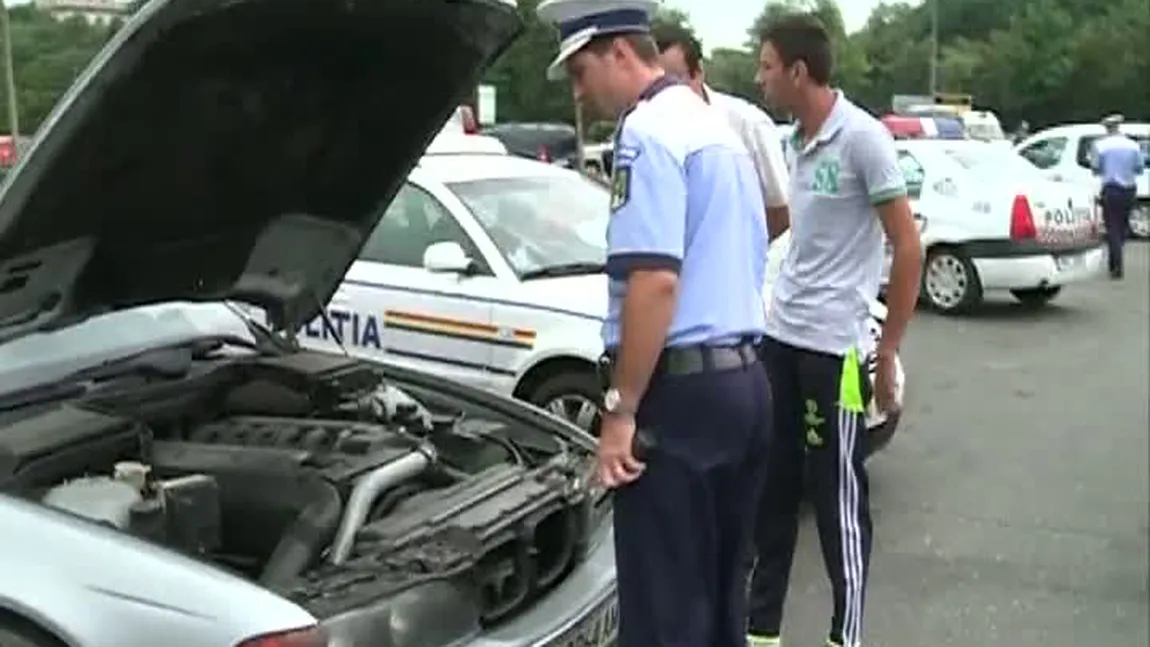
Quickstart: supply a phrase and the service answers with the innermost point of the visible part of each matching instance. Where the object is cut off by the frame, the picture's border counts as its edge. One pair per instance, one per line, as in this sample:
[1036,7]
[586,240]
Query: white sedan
[488,269]
[991,221]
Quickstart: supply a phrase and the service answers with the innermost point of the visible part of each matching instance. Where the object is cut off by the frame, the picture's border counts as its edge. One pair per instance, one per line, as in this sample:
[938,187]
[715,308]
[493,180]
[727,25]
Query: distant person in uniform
[846,191]
[681,54]
[686,259]
[1118,161]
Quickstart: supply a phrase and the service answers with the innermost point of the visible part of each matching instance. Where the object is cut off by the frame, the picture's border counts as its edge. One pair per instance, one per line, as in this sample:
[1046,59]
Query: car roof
[467,167]
[1078,130]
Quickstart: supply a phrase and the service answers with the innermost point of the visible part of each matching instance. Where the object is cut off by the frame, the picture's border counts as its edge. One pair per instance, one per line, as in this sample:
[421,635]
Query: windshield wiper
[565,269]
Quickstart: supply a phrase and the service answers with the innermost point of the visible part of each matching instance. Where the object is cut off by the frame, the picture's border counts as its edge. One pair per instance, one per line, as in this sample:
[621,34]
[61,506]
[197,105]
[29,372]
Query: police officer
[686,249]
[1118,161]
[846,191]
[681,54]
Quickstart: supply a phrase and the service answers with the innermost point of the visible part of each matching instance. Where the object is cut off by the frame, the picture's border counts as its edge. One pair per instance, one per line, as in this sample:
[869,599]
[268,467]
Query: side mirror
[447,256]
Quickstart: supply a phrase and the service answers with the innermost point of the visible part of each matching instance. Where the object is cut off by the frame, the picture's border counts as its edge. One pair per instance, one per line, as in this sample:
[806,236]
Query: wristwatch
[613,403]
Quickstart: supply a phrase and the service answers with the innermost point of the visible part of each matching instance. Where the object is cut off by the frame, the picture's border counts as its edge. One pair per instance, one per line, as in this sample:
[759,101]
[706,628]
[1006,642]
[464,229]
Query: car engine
[326,479]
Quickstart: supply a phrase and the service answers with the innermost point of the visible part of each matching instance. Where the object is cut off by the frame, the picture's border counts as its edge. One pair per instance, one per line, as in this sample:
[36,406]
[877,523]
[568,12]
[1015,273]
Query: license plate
[1071,262]
[597,629]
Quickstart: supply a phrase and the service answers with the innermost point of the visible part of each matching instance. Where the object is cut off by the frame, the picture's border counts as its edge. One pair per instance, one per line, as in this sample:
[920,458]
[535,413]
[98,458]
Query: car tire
[17,632]
[571,395]
[1036,297]
[1140,222]
[950,282]
[879,437]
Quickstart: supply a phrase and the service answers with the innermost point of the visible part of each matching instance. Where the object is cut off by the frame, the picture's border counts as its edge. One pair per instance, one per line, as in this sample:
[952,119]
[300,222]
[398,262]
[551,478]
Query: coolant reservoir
[98,498]
[133,473]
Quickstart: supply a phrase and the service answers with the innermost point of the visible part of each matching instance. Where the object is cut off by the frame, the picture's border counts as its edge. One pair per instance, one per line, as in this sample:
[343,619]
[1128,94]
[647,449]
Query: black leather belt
[690,360]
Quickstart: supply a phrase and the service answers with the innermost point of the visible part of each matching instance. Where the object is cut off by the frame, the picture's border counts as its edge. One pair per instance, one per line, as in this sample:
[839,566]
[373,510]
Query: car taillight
[543,155]
[1022,220]
[304,637]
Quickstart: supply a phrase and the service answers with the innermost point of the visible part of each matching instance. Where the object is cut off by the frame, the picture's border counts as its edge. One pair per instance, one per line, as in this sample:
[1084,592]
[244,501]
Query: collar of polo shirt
[831,125]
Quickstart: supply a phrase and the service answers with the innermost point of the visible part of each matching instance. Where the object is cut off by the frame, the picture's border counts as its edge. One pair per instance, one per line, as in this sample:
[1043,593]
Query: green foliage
[47,55]
[1045,61]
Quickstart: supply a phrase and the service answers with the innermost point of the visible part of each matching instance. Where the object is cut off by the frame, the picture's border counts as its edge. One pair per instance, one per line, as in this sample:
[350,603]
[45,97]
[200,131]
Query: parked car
[490,271]
[991,221]
[546,142]
[1064,154]
[174,474]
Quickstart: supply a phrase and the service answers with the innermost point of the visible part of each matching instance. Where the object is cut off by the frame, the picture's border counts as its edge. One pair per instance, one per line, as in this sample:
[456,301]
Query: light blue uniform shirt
[685,197]
[1118,160]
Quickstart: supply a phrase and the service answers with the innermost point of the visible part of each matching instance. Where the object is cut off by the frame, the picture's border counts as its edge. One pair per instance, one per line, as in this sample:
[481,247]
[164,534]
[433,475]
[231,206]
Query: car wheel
[1035,297]
[950,282]
[573,396]
[15,632]
[880,435]
[1140,221]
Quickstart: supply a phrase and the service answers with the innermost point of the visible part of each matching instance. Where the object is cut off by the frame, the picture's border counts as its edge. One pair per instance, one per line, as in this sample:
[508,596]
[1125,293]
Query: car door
[389,305]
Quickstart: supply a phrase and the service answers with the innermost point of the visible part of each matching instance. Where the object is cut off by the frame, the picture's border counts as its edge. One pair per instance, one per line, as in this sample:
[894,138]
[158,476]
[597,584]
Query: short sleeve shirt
[833,270]
[686,197]
[758,133]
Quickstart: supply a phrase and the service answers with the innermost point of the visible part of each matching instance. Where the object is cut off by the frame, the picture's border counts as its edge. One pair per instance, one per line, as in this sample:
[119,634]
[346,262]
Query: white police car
[488,269]
[1063,154]
[990,221]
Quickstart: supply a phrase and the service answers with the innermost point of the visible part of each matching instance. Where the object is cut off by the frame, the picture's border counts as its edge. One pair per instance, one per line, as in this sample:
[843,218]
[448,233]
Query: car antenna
[329,327]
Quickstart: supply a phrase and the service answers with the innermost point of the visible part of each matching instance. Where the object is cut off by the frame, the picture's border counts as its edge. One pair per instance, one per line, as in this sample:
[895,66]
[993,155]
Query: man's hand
[886,384]
[616,465]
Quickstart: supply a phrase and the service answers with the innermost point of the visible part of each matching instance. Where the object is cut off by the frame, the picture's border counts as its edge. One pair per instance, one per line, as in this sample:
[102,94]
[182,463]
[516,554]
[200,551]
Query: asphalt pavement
[1012,507]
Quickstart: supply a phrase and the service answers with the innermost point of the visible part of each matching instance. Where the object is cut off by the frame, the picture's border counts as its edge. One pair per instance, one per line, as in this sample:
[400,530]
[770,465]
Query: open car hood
[232,149]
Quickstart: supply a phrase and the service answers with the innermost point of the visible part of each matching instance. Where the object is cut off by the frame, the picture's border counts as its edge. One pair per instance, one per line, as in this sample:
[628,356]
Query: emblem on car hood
[238,149]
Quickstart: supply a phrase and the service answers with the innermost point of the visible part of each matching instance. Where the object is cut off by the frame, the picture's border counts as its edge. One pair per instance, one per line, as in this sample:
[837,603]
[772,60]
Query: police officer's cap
[1113,120]
[581,20]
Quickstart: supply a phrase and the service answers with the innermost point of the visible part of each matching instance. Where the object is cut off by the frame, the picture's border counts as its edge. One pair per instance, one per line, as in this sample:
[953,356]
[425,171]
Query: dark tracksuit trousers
[1117,203]
[819,429]
[682,528]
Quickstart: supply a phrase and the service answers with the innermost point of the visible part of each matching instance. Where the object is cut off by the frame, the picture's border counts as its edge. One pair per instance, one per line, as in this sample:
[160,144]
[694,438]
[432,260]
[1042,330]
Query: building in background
[96,12]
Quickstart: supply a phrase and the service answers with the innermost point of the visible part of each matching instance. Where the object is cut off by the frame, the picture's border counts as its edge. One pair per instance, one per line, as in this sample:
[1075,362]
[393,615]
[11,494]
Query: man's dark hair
[668,35]
[801,37]
[640,42]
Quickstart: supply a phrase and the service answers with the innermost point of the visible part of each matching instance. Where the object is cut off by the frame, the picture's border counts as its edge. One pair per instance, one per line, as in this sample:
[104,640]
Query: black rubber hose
[307,537]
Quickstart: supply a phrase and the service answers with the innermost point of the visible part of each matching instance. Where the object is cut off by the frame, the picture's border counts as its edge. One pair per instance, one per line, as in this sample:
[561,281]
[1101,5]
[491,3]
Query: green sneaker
[763,641]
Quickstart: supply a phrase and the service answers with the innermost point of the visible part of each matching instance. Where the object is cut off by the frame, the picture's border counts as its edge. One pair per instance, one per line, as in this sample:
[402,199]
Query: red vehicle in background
[7,150]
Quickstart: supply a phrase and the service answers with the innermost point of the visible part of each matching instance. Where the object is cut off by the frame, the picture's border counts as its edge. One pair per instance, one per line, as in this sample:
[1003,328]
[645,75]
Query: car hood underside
[238,149]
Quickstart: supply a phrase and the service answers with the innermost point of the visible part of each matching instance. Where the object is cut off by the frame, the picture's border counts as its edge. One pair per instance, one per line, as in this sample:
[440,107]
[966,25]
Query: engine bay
[321,477]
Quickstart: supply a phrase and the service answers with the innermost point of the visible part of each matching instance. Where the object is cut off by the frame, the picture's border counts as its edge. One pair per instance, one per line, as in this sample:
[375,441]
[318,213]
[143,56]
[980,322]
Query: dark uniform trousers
[814,437]
[1117,203]
[682,528]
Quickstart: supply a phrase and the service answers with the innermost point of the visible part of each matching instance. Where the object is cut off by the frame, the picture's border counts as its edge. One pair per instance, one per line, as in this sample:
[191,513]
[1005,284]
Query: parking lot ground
[1012,509]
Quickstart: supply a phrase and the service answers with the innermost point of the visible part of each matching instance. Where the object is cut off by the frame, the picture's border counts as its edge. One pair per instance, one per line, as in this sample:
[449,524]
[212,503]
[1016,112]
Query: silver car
[173,473]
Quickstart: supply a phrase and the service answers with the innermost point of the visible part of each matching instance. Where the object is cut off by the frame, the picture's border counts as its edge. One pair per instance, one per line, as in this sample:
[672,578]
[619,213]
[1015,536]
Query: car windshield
[542,222]
[42,358]
[992,162]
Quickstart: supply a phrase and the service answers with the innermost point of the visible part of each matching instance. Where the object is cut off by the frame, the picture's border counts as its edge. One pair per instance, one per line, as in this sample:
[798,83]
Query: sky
[727,27]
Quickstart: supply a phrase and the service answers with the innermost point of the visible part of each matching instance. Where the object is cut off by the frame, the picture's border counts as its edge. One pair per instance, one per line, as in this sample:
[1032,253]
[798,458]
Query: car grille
[534,556]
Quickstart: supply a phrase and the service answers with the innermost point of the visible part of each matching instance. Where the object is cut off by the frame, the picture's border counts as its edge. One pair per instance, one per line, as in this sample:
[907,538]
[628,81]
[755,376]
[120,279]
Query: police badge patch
[620,186]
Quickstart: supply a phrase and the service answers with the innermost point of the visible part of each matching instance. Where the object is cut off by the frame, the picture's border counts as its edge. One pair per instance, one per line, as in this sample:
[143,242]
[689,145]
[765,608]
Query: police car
[990,221]
[1063,154]
[488,269]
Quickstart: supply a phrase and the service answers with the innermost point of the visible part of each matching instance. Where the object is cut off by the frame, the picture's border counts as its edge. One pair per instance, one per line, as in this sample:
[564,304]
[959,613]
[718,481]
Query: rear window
[1086,148]
[993,162]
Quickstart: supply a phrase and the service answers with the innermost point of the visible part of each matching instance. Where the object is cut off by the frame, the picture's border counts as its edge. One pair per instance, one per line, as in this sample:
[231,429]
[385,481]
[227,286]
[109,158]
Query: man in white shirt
[681,55]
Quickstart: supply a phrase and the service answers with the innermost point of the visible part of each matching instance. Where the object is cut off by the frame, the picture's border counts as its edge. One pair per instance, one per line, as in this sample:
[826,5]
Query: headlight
[437,613]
